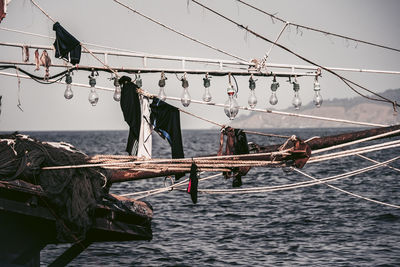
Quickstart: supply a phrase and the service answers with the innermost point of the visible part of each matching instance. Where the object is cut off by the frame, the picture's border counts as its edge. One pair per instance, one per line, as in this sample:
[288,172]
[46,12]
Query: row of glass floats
[231,106]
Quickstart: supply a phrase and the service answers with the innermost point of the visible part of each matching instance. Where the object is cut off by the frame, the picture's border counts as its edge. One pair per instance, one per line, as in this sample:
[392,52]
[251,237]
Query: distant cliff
[356,109]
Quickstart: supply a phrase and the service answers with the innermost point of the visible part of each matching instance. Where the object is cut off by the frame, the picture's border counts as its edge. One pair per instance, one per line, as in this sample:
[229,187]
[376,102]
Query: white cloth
[145,140]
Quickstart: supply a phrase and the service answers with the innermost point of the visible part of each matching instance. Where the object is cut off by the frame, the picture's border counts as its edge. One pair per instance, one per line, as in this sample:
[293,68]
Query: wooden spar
[314,144]
[123,176]
[323,142]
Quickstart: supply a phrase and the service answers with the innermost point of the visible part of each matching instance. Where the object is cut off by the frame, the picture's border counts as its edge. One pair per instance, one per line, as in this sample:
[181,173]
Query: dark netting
[72,193]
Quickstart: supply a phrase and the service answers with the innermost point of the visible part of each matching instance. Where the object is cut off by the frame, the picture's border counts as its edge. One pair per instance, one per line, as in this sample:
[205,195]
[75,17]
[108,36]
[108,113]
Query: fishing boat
[53,193]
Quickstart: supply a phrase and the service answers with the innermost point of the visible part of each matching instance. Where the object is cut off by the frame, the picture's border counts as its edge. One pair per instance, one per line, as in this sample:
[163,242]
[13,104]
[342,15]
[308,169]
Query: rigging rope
[223,126]
[178,32]
[82,45]
[44,12]
[356,142]
[167,188]
[273,16]
[264,60]
[296,185]
[50,37]
[217,161]
[347,192]
[390,167]
[143,194]
[281,113]
[271,65]
[352,152]
[345,80]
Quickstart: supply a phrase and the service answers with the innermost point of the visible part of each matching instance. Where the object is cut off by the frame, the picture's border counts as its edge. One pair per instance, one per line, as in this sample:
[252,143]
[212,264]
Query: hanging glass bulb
[161,83]
[207,83]
[296,99]
[93,96]
[317,93]
[185,98]
[252,101]
[273,100]
[231,106]
[117,92]
[68,94]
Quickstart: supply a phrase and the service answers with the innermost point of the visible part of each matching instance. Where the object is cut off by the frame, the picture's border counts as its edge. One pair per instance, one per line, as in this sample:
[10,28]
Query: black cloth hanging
[66,45]
[193,183]
[130,105]
[166,122]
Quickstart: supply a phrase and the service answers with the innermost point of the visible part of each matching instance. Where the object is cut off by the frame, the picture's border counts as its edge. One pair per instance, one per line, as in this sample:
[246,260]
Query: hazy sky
[107,23]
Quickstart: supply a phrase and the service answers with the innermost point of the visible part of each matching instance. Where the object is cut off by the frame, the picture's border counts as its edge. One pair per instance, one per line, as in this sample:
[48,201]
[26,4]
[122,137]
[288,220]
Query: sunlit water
[313,226]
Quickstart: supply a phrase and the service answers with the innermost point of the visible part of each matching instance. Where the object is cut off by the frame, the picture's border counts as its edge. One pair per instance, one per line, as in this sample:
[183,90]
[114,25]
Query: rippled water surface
[314,226]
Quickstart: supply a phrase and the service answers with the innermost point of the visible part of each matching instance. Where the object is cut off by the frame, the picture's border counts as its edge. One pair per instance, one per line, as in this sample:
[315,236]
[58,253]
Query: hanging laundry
[145,139]
[3,8]
[166,121]
[66,45]
[236,144]
[46,62]
[37,60]
[130,105]
[25,53]
[193,183]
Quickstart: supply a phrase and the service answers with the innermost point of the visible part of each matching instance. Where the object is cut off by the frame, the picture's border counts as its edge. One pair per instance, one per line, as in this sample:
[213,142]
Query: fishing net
[72,193]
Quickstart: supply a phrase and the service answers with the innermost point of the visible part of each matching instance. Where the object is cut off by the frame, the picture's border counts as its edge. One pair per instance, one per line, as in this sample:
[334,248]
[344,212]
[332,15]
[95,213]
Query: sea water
[311,226]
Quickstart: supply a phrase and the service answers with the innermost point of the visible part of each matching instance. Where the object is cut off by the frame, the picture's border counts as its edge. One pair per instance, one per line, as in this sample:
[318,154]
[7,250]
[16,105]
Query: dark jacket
[130,105]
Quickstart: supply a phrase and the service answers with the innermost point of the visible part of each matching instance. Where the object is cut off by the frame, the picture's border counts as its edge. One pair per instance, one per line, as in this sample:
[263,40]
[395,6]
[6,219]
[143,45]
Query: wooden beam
[71,253]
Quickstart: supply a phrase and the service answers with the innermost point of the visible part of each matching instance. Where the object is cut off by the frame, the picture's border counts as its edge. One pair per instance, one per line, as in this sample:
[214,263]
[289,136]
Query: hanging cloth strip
[37,61]
[46,62]
[236,144]
[166,121]
[145,139]
[66,45]
[193,183]
[25,53]
[3,8]
[130,105]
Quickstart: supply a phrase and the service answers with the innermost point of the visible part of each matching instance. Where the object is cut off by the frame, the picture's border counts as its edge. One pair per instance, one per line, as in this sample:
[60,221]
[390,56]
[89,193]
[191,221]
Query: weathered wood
[71,253]
[27,224]
[333,140]
[123,176]
[317,143]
